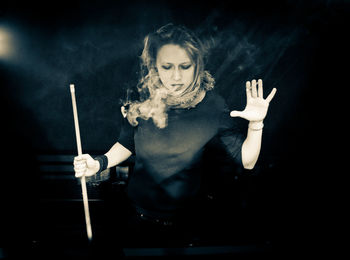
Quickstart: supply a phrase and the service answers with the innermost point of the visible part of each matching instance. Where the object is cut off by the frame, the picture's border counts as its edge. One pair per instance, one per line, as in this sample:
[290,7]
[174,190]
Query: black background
[296,46]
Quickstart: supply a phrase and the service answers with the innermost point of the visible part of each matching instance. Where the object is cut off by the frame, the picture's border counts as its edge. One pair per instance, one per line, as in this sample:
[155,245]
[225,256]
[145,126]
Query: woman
[173,123]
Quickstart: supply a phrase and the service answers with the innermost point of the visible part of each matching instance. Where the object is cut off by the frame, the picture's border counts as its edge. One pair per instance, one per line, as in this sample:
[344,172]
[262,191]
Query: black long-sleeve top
[169,162]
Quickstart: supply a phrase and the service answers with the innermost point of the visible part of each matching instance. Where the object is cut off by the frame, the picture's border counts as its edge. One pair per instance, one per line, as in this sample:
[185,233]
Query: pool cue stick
[83,181]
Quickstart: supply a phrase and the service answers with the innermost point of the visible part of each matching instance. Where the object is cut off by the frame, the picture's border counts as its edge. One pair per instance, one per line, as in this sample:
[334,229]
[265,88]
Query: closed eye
[186,67]
[166,67]
[183,67]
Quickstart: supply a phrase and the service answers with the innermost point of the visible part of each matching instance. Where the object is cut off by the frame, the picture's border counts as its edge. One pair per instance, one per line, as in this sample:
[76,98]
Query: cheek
[164,76]
[189,75]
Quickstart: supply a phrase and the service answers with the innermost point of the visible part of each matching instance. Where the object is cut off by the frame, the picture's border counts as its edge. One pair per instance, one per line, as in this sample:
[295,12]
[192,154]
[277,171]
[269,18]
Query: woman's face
[175,68]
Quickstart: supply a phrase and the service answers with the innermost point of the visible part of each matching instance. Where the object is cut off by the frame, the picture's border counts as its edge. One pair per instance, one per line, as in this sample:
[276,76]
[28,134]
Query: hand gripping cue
[83,181]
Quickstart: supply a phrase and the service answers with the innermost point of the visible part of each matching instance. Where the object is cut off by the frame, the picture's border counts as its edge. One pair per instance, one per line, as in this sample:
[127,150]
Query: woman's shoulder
[214,100]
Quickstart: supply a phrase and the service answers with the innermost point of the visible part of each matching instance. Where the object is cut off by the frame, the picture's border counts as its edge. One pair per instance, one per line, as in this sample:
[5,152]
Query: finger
[79,167]
[254,92]
[271,95]
[85,156]
[260,89]
[79,163]
[79,174]
[78,158]
[248,90]
[236,113]
[81,157]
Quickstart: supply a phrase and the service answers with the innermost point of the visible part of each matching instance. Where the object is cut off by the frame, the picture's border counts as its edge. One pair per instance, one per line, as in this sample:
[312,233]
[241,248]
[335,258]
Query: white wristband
[256,125]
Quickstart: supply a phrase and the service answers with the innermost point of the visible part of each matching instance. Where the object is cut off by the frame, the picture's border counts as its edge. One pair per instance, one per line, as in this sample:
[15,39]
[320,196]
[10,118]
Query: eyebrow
[183,63]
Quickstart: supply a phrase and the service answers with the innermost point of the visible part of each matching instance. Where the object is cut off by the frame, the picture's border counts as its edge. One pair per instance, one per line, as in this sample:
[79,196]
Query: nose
[176,74]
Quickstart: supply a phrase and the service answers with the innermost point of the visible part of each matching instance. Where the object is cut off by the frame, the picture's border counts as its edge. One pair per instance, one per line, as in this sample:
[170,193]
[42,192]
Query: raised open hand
[257,106]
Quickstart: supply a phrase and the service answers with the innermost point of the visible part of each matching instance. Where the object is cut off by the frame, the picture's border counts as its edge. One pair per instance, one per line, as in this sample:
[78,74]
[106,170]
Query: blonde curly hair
[154,99]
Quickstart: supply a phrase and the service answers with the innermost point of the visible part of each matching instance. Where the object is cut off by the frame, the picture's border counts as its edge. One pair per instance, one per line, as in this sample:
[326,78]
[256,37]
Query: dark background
[295,46]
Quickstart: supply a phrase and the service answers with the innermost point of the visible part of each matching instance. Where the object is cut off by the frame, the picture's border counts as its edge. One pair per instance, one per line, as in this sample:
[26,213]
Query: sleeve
[126,136]
[230,136]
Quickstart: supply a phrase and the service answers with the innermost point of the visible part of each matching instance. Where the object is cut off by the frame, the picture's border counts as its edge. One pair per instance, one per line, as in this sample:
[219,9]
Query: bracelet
[103,160]
[99,177]
[256,125]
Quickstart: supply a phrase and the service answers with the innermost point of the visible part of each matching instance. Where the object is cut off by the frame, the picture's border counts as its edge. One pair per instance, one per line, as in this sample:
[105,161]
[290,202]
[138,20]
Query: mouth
[176,87]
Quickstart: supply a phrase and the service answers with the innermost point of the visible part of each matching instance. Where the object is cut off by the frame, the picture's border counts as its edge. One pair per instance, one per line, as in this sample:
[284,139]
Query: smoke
[243,51]
[98,59]
[101,59]
[247,48]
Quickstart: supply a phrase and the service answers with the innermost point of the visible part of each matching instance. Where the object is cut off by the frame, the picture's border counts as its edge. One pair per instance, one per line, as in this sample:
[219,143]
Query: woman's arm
[86,165]
[251,145]
[255,111]
[117,154]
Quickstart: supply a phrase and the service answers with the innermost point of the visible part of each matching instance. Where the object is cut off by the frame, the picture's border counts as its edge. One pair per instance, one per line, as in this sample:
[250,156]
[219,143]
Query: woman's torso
[167,168]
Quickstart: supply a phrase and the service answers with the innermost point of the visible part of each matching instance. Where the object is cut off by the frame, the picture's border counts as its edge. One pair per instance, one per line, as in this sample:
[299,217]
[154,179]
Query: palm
[256,109]
[257,106]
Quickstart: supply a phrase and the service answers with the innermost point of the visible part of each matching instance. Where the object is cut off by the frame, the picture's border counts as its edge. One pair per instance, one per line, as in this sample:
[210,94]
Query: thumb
[91,162]
[84,156]
[236,113]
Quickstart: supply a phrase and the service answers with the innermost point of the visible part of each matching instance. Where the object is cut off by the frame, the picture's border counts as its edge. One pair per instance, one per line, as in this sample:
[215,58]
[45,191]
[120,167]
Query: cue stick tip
[72,89]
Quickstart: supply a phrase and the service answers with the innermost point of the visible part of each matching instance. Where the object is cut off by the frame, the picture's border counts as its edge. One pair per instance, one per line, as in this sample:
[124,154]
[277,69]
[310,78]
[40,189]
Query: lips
[176,87]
